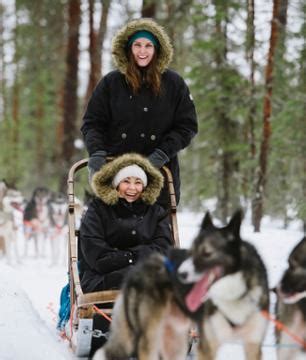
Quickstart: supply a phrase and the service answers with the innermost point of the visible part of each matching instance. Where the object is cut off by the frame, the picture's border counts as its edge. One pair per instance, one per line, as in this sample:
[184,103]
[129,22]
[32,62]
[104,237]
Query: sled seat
[98,297]
[86,308]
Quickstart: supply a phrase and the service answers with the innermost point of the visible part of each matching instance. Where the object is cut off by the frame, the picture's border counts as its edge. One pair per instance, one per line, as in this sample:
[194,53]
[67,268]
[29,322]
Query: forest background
[245,64]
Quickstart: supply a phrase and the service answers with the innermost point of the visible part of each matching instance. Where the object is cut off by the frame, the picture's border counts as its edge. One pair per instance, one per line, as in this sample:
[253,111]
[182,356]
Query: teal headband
[142,34]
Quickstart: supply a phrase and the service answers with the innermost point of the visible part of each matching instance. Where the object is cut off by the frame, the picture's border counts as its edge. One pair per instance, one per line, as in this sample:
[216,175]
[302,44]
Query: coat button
[153,137]
[142,135]
[123,135]
[133,232]
[145,109]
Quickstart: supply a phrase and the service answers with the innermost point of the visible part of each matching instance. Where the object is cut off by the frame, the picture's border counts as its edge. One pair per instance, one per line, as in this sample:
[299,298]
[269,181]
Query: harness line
[282,327]
[99,311]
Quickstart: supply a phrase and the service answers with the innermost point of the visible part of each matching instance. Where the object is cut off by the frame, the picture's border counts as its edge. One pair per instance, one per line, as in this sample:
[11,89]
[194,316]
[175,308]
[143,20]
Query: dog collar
[169,265]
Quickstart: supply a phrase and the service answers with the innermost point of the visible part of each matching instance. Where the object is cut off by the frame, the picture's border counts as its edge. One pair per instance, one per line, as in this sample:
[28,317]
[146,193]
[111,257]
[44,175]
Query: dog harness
[169,265]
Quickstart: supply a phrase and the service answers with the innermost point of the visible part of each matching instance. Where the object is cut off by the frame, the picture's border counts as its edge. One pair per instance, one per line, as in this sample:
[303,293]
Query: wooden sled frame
[82,306]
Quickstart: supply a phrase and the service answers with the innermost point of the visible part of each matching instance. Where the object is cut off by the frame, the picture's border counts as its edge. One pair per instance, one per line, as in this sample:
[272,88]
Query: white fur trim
[128,171]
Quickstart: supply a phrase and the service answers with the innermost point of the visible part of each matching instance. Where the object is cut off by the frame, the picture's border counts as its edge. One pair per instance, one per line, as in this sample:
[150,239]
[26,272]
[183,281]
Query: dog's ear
[235,223]
[207,222]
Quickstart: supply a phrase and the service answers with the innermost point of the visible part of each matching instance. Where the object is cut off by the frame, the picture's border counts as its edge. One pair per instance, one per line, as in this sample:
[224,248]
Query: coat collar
[126,209]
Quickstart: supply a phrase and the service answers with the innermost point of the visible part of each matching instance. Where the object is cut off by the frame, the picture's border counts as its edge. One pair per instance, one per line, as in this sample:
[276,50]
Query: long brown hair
[150,76]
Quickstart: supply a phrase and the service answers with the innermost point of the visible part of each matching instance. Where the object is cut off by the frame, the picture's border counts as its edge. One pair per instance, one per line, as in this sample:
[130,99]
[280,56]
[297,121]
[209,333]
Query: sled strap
[98,297]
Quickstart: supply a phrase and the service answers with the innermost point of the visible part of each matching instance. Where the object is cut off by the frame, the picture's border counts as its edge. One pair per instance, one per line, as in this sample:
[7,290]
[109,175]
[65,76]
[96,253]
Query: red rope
[102,313]
[282,327]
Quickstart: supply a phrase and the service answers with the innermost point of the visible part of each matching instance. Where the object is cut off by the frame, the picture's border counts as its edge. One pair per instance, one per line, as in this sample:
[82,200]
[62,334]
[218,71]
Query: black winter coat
[118,121]
[113,238]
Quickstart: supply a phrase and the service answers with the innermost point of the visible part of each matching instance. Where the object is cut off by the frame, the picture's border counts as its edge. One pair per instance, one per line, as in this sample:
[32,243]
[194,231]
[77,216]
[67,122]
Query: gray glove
[96,160]
[158,158]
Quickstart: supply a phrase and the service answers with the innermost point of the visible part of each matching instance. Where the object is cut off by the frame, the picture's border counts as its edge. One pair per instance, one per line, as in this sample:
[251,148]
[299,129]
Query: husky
[58,228]
[233,286]
[3,190]
[291,304]
[37,220]
[150,319]
[12,206]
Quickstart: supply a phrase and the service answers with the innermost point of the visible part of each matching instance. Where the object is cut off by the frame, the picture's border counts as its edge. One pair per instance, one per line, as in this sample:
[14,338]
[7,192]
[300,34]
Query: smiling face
[130,188]
[143,51]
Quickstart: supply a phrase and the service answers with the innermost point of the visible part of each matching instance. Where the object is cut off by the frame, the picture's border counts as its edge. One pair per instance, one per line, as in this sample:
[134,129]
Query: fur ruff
[102,180]
[120,41]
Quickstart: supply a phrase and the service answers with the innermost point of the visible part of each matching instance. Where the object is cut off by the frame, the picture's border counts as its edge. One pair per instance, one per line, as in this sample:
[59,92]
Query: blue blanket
[64,311]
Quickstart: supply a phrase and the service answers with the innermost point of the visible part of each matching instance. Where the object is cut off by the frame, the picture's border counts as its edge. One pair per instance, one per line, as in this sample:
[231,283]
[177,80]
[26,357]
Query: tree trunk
[39,101]
[148,9]
[224,125]
[102,33]
[40,130]
[174,18]
[249,126]
[3,116]
[96,41]
[258,201]
[70,100]
[13,173]
[251,61]
[281,93]
[302,85]
[14,156]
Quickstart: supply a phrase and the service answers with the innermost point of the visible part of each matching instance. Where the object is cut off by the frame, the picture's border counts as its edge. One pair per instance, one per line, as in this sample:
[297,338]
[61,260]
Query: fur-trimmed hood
[102,180]
[121,38]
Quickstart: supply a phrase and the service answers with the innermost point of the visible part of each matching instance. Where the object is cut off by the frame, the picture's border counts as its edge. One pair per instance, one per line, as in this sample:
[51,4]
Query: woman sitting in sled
[123,222]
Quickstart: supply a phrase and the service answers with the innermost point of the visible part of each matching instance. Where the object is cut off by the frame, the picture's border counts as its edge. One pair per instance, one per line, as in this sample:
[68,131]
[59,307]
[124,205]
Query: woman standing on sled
[143,106]
[123,223]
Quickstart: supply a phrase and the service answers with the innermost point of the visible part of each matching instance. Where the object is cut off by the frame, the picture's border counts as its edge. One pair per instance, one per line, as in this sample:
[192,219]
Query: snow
[29,293]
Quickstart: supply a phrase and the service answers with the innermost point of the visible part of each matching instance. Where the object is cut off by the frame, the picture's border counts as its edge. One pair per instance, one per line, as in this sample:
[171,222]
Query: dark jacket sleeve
[97,253]
[161,240]
[96,118]
[185,125]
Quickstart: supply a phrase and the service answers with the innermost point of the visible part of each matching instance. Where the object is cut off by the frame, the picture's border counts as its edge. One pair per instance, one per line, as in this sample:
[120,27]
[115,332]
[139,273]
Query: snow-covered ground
[29,294]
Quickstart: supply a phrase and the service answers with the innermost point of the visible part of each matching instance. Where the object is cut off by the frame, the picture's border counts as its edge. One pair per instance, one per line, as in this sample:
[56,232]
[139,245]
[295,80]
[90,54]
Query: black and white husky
[150,321]
[232,281]
[58,228]
[220,284]
[11,209]
[291,305]
[37,221]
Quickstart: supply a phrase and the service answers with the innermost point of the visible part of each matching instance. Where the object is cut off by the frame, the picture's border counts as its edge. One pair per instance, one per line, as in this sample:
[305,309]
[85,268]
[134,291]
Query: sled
[88,311]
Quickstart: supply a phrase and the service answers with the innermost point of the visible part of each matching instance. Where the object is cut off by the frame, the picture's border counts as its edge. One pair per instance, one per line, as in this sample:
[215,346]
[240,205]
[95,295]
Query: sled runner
[90,311]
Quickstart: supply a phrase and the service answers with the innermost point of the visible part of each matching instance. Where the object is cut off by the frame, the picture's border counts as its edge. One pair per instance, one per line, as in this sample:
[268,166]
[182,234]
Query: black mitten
[97,159]
[158,158]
